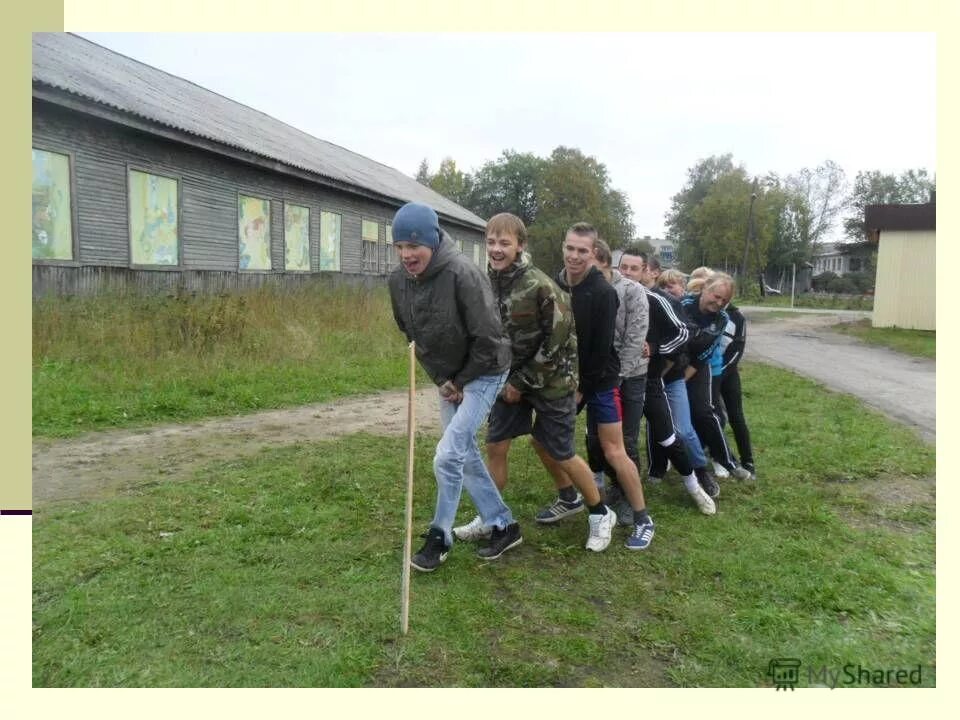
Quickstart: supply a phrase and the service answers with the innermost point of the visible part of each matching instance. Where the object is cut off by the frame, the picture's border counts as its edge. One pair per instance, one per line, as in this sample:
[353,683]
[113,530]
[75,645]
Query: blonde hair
[507,224]
[696,284]
[670,276]
[701,272]
[721,278]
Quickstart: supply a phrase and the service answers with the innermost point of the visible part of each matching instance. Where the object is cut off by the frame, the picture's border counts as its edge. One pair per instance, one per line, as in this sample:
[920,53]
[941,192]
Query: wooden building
[906,289]
[142,179]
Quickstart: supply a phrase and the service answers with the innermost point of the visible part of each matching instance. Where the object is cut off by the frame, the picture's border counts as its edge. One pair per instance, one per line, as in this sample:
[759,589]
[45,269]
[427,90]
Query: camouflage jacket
[537,317]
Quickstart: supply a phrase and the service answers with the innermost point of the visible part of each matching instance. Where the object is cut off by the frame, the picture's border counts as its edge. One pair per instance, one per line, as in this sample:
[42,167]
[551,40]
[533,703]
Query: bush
[841,284]
[819,282]
[864,281]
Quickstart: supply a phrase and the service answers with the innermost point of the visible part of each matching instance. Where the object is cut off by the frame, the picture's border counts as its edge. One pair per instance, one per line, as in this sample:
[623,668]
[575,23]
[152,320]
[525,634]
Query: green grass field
[812,300]
[284,570]
[922,343]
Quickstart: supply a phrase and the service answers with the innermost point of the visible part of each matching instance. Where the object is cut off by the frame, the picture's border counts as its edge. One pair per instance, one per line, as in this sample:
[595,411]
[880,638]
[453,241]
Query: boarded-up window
[52,219]
[154,215]
[370,232]
[296,237]
[329,241]
[254,227]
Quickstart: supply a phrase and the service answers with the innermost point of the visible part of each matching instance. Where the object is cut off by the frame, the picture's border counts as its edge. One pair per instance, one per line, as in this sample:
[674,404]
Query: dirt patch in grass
[903,503]
[902,490]
[101,464]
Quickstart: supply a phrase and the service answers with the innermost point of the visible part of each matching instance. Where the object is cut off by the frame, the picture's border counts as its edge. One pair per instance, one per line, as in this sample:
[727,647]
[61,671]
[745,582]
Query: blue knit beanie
[416,223]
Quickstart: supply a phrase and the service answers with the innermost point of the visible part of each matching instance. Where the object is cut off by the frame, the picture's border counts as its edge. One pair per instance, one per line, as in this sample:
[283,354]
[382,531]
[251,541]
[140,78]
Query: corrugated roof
[76,65]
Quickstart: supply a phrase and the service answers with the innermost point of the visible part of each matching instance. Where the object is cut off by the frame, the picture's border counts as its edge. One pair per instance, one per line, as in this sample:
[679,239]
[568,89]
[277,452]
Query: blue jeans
[676,393]
[458,464]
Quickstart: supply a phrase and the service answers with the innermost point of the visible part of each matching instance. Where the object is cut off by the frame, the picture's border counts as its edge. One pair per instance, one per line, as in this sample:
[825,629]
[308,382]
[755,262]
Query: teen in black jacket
[733,343]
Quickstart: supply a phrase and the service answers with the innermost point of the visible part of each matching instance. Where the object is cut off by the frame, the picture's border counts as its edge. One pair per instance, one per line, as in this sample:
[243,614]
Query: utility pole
[746,242]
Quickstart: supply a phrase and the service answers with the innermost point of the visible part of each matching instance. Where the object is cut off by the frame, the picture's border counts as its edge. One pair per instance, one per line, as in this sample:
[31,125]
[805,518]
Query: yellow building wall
[906,290]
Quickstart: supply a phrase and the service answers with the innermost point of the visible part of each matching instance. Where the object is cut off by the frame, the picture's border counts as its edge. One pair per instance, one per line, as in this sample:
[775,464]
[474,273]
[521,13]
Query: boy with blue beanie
[444,303]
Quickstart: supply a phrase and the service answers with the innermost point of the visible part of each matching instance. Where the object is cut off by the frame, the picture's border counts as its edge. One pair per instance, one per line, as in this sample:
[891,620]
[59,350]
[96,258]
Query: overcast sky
[648,106]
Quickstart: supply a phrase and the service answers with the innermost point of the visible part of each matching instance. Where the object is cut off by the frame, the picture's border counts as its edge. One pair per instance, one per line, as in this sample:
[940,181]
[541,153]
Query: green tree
[423,173]
[509,184]
[641,245]
[452,183]
[575,187]
[718,223]
[682,227]
[876,188]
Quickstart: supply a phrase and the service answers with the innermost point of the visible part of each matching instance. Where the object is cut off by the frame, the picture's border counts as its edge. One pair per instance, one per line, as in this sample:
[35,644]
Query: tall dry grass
[120,360]
[263,323]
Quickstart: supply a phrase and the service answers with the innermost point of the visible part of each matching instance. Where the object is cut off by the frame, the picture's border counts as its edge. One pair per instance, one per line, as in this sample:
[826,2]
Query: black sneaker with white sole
[501,541]
[433,552]
[560,509]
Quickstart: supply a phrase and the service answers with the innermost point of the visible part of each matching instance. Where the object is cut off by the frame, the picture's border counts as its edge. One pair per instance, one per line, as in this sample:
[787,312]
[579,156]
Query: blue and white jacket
[706,329]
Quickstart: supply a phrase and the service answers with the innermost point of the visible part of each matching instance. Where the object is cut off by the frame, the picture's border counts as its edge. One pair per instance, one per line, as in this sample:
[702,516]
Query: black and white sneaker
[433,552]
[501,541]
[707,482]
[560,509]
[750,469]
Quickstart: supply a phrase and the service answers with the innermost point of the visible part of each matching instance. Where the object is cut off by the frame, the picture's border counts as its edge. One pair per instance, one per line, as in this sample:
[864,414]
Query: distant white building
[840,258]
[661,248]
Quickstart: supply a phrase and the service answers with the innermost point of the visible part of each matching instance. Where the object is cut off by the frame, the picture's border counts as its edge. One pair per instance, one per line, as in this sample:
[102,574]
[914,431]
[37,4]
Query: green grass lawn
[812,300]
[285,569]
[922,343]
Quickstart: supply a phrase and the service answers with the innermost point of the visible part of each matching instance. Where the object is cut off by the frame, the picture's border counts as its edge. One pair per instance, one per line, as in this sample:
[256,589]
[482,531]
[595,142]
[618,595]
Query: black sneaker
[560,509]
[707,482]
[433,552]
[501,541]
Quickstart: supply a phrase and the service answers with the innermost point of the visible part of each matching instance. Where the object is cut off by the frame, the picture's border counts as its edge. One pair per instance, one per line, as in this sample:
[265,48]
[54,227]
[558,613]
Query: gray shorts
[554,426]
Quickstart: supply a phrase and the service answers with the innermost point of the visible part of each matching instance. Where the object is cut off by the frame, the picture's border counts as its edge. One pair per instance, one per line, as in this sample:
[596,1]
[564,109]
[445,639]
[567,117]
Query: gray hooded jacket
[450,312]
[633,317]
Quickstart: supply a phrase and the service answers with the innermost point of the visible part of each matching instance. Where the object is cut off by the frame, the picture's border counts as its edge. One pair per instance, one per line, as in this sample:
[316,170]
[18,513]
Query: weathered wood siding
[50,279]
[103,152]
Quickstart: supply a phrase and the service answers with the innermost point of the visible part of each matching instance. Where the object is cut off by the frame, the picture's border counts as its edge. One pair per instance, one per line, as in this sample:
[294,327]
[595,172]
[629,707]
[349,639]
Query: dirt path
[100,464]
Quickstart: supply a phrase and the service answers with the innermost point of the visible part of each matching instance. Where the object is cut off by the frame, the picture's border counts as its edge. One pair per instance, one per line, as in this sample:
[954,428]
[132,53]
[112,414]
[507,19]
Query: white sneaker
[473,531]
[703,501]
[719,470]
[601,528]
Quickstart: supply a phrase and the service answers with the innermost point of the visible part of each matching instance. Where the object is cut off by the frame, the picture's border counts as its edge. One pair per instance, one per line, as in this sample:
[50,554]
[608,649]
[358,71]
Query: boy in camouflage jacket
[538,398]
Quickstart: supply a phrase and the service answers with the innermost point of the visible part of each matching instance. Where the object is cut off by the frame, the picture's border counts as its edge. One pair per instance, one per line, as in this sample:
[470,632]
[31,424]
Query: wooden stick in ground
[405,591]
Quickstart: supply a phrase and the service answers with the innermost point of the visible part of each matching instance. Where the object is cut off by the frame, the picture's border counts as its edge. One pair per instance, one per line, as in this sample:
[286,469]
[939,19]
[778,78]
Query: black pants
[705,421]
[733,401]
[660,429]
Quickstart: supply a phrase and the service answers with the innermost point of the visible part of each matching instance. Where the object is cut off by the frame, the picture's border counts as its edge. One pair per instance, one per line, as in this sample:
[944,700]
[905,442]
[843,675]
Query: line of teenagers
[530,353]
